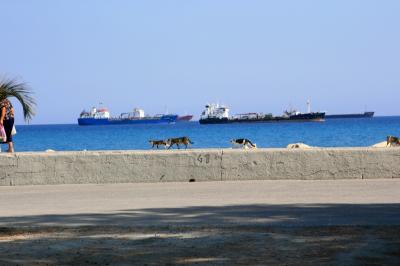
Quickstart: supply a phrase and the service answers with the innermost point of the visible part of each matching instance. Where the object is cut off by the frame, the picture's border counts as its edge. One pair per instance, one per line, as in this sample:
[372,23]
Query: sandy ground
[336,245]
[336,222]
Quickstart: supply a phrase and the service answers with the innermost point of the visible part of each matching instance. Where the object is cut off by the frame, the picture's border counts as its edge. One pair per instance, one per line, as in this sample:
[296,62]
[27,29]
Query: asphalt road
[266,203]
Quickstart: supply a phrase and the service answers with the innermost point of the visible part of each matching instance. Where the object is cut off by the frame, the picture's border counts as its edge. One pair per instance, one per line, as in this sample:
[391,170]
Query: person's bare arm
[3,114]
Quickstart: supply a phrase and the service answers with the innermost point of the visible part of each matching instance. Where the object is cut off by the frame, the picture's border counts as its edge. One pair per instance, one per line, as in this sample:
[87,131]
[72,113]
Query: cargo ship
[219,114]
[364,115]
[102,116]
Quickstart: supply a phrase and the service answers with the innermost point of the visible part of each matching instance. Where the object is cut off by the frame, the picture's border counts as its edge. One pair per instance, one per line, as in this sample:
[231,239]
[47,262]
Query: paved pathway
[287,203]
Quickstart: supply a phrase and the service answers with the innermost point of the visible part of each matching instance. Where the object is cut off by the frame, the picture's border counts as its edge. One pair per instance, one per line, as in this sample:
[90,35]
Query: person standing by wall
[11,88]
[7,120]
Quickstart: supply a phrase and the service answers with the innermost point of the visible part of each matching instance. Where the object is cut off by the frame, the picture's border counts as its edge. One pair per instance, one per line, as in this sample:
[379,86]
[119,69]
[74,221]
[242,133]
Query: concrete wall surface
[44,168]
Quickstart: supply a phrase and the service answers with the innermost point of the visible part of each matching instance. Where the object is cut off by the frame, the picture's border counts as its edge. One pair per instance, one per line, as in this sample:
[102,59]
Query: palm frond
[13,88]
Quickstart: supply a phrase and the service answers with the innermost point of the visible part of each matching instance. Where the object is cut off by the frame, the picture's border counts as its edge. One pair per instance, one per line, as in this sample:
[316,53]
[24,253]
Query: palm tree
[13,88]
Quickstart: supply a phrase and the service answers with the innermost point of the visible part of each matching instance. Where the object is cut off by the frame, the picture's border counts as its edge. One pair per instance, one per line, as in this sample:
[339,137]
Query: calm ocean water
[331,133]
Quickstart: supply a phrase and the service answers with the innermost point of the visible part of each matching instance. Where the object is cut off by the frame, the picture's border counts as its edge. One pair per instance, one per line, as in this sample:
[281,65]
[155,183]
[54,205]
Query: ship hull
[309,117]
[138,121]
[364,115]
[185,118]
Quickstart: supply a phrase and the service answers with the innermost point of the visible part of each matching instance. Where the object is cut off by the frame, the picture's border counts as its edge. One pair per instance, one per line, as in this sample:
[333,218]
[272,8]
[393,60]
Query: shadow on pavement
[319,234]
[268,215]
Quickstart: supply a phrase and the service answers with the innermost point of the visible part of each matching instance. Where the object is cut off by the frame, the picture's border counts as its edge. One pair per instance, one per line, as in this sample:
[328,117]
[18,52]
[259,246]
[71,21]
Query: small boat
[102,116]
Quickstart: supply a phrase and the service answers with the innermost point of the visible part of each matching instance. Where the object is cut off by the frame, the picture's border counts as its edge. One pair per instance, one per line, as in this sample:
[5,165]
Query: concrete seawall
[43,168]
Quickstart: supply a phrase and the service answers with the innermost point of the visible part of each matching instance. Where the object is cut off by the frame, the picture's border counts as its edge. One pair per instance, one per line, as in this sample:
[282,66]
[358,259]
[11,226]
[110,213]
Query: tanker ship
[219,114]
[102,116]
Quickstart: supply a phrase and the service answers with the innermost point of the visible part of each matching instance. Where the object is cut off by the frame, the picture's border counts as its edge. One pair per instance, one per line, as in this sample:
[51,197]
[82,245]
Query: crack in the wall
[317,172]
[221,168]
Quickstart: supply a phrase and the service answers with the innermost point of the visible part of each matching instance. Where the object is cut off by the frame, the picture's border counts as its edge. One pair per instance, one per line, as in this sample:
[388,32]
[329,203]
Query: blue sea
[331,133]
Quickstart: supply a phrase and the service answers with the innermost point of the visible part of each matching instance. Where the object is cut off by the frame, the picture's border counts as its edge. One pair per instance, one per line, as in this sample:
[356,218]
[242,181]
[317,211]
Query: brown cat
[158,143]
[182,140]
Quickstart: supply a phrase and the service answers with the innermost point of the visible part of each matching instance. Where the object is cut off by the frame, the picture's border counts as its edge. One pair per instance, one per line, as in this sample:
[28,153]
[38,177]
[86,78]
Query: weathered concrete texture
[338,163]
[198,165]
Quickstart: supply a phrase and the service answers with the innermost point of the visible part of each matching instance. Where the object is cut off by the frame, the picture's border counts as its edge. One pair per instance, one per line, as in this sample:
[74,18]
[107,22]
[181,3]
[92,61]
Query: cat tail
[252,144]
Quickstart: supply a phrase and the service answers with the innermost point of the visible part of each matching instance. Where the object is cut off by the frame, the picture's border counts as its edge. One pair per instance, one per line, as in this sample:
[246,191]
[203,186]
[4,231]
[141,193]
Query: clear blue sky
[251,55]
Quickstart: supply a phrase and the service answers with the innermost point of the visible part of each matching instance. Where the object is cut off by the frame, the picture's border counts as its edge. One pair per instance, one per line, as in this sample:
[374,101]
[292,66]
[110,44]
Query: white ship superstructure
[101,113]
[215,111]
